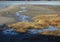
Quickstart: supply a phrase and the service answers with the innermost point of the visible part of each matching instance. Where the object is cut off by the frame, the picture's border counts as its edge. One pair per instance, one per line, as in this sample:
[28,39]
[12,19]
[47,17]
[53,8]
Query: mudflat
[6,20]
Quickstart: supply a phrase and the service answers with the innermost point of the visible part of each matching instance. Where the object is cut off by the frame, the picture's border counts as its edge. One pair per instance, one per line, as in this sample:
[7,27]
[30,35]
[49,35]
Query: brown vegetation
[55,32]
[24,26]
[40,22]
[52,20]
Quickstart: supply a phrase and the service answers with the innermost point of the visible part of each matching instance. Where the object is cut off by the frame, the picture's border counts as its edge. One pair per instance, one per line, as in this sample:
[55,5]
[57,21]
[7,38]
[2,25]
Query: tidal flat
[34,23]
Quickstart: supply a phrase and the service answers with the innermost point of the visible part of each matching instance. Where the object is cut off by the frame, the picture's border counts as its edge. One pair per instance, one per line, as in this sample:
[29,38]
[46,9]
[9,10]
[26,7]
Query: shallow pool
[34,31]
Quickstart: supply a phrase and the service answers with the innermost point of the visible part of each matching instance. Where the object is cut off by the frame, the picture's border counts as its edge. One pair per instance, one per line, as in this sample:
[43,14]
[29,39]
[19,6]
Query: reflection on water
[9,32]
[23,18]
[34,31]
[3,6]
[31,31]
[51,28]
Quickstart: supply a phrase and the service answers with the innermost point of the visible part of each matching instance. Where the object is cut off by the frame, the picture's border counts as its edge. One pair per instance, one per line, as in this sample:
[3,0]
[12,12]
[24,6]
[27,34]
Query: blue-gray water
[34,31]
[32,2]
[31,31]
[23,18]
[3,4]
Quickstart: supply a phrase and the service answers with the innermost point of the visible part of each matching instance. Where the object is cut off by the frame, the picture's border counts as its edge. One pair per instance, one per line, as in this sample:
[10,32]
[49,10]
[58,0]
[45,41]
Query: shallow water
[9,32]
[34,31]
[3,6]
[23,18]
[51,28]
[30,31]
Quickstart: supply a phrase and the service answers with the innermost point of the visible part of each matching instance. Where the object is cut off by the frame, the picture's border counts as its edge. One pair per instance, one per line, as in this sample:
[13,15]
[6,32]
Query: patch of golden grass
[55,32]
[52,20]
[40,22]
[24,26]
[21,26]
